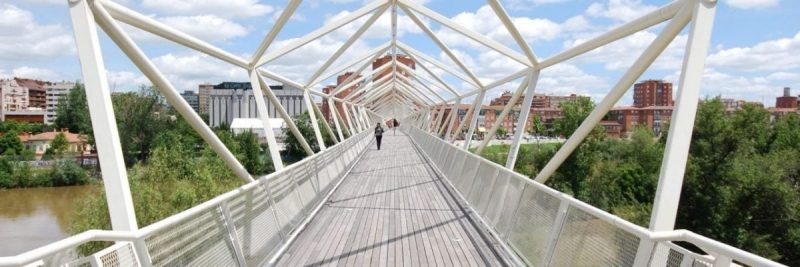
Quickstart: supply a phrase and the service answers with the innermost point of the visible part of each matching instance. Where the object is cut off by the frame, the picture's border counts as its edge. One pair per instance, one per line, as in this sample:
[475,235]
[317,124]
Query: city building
[13,96]
[203,91]
[55,92]
[193,99]
[652,108]
[539,100]
[387,59]
[652,93]
[229,100]
[653,117]
[787,100]
[254,125]
[39,143]
[405,59]
[36,91]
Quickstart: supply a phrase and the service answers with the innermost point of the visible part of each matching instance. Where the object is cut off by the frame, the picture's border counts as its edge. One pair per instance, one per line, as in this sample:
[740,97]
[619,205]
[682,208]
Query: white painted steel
[648,56]
[500,118]
[312,115]
[676,152]
[525,111]
[136,55]
[263,115]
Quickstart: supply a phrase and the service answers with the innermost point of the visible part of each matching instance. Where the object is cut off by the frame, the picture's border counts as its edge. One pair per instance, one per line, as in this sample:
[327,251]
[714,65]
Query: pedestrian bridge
[421,201]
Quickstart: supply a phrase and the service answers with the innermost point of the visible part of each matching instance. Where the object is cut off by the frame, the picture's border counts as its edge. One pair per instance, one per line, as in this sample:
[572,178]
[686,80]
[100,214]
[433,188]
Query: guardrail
[248,226]
[545,227]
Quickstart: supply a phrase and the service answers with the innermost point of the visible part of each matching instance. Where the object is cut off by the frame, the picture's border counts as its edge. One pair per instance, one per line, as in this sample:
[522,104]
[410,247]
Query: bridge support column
[104,123]
[335,116]
[263,114]
[313,117]
[476,110]
[453,118]
[676,152]
[286,118]
[525,112]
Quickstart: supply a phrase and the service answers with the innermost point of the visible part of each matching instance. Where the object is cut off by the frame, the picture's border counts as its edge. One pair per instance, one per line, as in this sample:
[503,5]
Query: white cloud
[22,38]
[772,55]
[125,80]
[759,88]
[619,10]
[209,28]
[382,27]
[223,8]
[187,70]
[752,4]
[527,4]
[485,21]
[32,73]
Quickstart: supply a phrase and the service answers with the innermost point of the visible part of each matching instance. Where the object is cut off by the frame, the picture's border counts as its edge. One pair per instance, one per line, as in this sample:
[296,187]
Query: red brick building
[652,93]
[787,100]
[387,59]
[37,93]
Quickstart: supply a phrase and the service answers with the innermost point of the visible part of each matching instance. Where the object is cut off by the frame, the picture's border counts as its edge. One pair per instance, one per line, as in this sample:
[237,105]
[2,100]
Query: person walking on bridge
[395,124]
[378,134]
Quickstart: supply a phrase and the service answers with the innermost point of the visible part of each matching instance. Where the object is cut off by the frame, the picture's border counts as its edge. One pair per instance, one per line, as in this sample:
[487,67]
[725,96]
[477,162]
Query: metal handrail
[705,243]
[138,235]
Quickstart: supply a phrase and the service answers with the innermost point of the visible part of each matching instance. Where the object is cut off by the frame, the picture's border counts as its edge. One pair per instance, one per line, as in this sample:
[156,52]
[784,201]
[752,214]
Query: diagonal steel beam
[492,44]
[366,9]
[425,58]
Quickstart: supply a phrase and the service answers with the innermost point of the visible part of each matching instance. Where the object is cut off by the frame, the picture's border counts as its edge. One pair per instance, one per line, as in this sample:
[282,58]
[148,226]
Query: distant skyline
[755,46]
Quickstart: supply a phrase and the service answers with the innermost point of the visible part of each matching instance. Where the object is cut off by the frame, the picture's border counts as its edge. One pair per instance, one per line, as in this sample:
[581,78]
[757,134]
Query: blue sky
[755,49]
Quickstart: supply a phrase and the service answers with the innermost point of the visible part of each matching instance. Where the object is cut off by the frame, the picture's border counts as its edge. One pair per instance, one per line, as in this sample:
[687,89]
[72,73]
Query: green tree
[292,145]
[59,145]
[10,144]
[140,118]
[501,131]
[537,126]
[786,134]
[251,156]
[574,112]
[72,111]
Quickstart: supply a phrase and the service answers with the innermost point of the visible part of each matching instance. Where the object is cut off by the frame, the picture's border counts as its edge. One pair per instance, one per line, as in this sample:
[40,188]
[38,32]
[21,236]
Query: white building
[13,96]
[230,100]
[55,91]
[241,125]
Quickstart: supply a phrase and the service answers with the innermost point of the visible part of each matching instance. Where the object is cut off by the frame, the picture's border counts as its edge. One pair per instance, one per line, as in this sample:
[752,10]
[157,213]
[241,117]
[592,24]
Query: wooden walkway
[391,210]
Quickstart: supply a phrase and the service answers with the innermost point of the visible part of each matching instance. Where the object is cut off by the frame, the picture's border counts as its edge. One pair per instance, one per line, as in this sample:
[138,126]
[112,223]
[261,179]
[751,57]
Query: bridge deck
[391,210]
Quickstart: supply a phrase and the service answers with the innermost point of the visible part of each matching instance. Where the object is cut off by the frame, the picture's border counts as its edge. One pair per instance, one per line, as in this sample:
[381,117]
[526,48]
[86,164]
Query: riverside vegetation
[742,182]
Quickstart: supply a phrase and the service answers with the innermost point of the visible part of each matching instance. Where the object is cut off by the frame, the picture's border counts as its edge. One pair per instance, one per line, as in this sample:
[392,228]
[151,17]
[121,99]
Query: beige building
[39,143]
[204,90]
[13,96]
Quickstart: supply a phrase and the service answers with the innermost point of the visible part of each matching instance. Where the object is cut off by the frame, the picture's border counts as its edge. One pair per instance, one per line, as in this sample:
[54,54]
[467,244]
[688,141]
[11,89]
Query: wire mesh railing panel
[513,193]
[199,240]
[308,186]
[586,240]
[256,225]
[287,201]
[119,255]
[496,204]
[533,224]
[69,255]
[456,167]
[467,175]
[479,196]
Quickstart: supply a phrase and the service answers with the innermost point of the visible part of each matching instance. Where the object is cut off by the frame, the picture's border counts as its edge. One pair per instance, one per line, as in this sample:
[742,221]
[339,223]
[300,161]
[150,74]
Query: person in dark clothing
[394,126]
[378,134]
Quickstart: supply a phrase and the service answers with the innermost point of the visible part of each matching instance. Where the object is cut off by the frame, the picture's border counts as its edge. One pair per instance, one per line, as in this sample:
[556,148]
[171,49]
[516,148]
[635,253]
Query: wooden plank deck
[391,210]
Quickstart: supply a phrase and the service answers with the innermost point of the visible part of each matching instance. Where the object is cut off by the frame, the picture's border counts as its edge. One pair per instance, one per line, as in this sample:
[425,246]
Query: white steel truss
[418,96]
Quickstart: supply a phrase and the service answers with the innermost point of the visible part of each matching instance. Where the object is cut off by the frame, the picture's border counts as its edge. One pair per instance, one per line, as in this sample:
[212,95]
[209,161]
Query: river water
[33,217]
